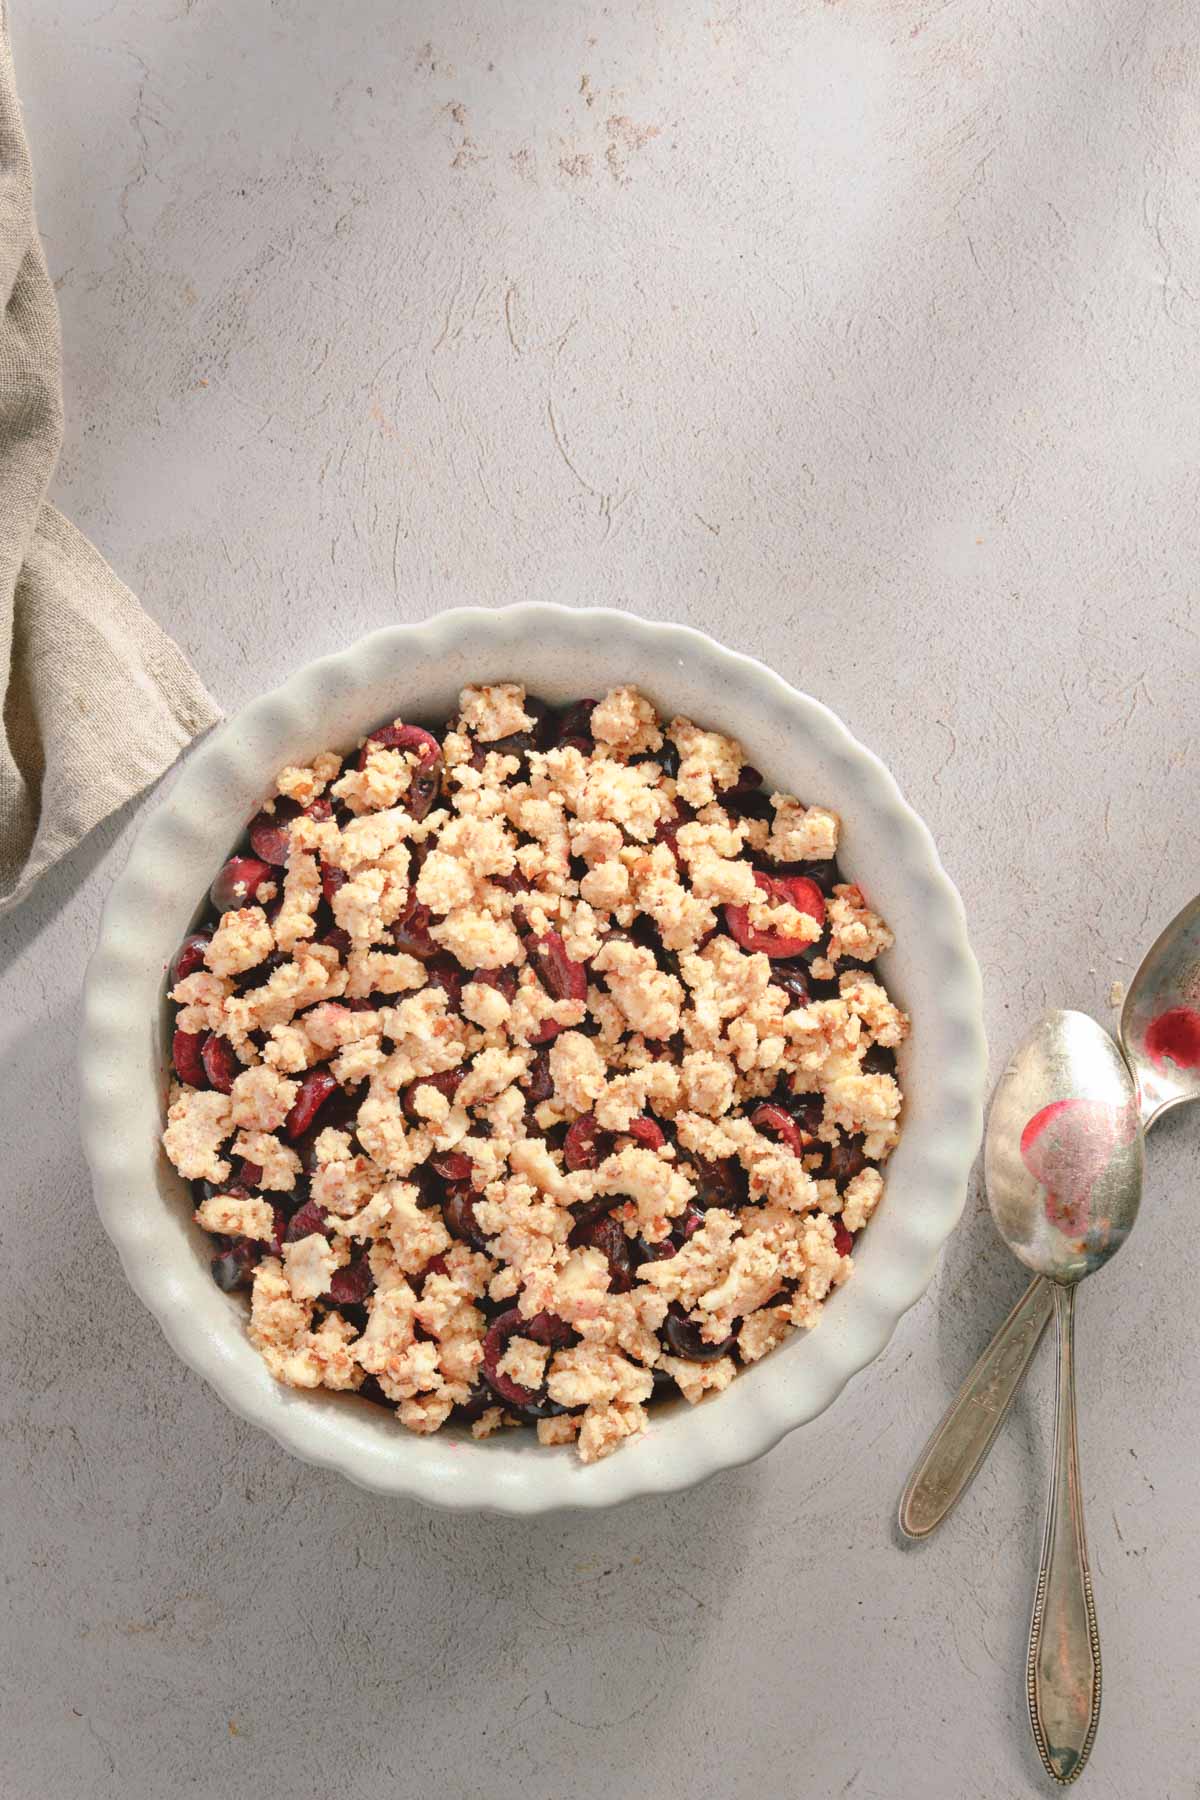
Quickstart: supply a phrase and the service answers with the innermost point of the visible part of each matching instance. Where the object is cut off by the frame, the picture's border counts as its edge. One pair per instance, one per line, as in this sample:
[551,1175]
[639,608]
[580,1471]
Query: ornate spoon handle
[1063,1674]
[954,1454]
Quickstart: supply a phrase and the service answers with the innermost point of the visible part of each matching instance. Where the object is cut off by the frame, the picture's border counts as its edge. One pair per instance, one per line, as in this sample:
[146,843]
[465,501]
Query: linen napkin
[97,699]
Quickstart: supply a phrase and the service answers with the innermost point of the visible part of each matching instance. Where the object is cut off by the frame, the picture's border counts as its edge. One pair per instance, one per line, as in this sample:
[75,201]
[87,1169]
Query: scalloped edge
[789,1388]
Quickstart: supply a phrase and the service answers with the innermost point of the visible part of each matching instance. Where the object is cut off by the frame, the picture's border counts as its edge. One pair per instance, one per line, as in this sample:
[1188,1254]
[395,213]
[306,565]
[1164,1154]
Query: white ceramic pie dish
[417,671]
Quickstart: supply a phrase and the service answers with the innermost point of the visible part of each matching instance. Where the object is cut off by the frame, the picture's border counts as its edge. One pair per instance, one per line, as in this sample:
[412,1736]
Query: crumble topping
[543,1075]
[241,941]
[232,1216]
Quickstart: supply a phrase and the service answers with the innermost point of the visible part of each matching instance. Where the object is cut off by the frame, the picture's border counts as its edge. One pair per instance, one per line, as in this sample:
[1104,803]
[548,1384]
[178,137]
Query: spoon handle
[1063,1674]
[954,1454]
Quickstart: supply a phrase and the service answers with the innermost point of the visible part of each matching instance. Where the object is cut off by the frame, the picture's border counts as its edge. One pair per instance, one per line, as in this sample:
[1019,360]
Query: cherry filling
[794,982]
[452,1165]
[503,980]
[220,1062]
[538,1081]
[721,1183]
[306,1220]
[796,890]
[237,884]
[573,728]
[270,835]
[410,932]
[446,1083]
[775,1120]
[458,1210]
[449,977]
[234,1266]
[561,978]
[585,1145]
[351,1285]
[333,878]
[402,737]
[844,1161]
[186,1049]
[608,1235]
[190,956]
[647,1132]
[315,1089]
[510,1324]
[683,1337]
[425,784]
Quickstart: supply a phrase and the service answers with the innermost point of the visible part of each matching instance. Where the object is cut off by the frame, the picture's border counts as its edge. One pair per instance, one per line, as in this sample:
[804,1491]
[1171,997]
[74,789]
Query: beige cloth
[97,700]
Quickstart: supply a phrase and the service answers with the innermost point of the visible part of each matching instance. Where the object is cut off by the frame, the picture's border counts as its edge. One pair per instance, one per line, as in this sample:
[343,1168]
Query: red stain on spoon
[1067,1147]
[1175,1035]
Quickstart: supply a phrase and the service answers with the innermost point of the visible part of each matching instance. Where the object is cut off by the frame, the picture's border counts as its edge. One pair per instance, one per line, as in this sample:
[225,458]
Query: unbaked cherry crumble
[530,1070]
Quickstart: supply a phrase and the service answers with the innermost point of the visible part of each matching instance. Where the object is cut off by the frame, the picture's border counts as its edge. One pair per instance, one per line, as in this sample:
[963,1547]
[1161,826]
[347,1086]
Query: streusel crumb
[543,1074]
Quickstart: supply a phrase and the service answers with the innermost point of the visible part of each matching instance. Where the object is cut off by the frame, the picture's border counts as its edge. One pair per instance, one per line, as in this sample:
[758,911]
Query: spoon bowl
[1063,1159]
[1160,1020]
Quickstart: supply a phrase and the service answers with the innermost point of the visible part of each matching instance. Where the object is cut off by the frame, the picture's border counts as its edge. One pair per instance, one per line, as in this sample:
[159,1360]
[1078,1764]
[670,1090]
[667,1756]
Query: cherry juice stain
[1067,1146]
[1174,1035]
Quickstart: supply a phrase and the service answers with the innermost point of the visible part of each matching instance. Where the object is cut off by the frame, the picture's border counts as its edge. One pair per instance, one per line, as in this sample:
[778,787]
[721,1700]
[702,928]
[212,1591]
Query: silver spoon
[1160,1034]
[1063,1164]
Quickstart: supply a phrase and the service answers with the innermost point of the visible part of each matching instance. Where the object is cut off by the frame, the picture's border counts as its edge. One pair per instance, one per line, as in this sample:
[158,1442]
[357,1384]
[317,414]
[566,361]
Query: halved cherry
[304,1221]
[562,978]
[795,890]
[220,1062]
[332,878]
[238,882]
[351,1285]
[843,1240]
[510,1324]
[720,1183]
[844,1161]
[269,837]
[315,1089]
[585,1145]
[775,1119]
[794,982]
[424,788]
[574,726]
[250,1174]
[448,976]
[548,1328]
[607,1234]
[410,932]
[683,1337]
[445,1082]
[458,1210]
[234,1267]
[402,737]
[187,1049]
[338,940]
[648,1132]
[453,1166]
[189,957]
[503,980]
[537,1080]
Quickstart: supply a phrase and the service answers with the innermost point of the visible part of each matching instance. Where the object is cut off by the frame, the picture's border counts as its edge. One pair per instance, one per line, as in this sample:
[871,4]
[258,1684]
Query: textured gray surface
[864,336]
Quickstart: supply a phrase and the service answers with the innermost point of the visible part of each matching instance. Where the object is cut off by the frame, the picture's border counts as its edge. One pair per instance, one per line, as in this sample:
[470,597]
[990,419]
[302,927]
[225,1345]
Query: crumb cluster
[533,1070]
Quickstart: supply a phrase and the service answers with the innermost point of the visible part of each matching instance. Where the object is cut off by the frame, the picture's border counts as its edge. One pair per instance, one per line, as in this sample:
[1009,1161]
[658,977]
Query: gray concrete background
[864,336]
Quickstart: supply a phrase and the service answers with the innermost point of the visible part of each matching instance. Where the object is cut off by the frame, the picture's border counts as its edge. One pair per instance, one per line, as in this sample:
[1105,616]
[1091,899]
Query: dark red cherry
[798,891]
[220,1062]
[189,957]
[187,1055]
[237,884]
